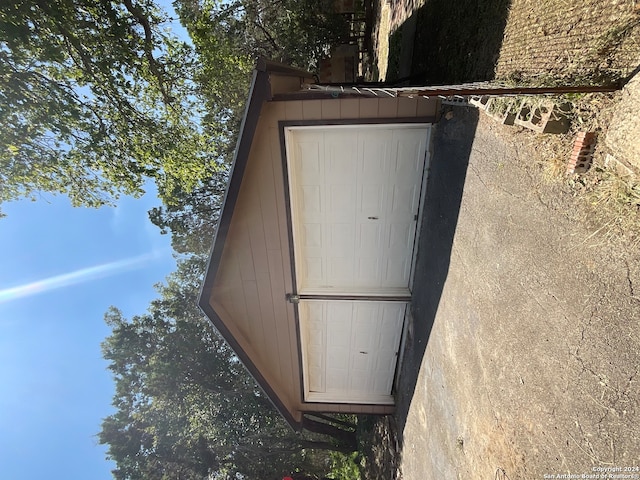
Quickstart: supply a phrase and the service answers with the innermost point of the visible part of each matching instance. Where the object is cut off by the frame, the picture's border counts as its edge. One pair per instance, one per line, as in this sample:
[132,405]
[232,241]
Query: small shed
[310,273]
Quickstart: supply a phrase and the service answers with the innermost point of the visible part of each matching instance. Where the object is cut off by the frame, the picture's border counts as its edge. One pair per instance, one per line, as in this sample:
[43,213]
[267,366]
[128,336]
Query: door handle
[372,218]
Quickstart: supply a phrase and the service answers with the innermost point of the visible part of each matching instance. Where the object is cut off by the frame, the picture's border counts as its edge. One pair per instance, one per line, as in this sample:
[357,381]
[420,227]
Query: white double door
[355,195]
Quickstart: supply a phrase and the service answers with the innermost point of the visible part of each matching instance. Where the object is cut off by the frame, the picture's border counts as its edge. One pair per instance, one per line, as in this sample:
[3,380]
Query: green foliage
[185,406]
[95,97]
[192,216]
[297,32]
[344,467]
[224,68]
[111,101]
[227,38]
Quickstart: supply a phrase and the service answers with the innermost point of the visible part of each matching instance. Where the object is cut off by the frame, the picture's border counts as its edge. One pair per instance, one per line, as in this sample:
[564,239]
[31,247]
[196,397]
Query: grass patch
[611,196]
[344,467]
[617,190]
[612,39]
[616,199]
[613,202]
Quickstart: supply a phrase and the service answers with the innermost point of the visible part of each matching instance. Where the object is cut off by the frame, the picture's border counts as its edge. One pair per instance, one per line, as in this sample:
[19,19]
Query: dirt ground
[524,349]
[531,361]
[523,355]
[542,41]
[584,40]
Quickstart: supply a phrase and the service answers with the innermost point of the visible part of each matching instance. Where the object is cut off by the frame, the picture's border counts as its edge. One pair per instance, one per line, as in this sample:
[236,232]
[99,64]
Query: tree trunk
[312,444]
[346,439]
[294,446]
[330,419]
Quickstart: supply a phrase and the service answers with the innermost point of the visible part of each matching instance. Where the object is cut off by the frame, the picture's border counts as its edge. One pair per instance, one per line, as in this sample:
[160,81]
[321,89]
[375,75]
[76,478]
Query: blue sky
[55,386]
[60,269]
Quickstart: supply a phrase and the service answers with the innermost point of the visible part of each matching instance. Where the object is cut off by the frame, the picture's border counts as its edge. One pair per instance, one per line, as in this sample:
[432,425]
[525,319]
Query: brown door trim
[292,298]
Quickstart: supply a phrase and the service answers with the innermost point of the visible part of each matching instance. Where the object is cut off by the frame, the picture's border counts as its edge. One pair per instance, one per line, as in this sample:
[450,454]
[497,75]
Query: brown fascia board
[259,93]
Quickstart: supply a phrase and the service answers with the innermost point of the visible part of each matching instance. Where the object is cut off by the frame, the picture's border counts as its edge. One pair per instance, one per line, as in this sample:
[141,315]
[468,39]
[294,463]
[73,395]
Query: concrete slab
[523,356]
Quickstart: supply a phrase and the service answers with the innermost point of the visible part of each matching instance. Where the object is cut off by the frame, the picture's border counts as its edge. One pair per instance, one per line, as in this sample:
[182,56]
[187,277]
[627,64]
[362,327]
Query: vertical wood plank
[252,302]
[266,192]
[427,107]
[256,237]
[272,112]
[388,108]
[407,107]
[330,109]
[240,243]
[368,108]
[349,108]
[283,347]
[293,109]
[312,110]
[269,343]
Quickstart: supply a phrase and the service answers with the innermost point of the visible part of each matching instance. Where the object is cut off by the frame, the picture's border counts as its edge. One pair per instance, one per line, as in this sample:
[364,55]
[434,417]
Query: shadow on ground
[381,438]
[447,42]
[451,150]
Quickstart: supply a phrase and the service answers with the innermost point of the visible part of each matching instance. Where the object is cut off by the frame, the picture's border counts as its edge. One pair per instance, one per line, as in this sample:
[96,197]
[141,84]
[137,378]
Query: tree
[227,37]
[192,216]
[96,97]
[297,32]
[185,405]
[225,65]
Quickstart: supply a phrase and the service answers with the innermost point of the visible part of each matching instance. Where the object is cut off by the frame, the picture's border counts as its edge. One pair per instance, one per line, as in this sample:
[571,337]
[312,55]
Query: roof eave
[259,93]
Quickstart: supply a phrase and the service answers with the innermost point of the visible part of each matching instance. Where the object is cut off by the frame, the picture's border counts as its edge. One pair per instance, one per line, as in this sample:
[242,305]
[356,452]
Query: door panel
[355,195]
[350,349]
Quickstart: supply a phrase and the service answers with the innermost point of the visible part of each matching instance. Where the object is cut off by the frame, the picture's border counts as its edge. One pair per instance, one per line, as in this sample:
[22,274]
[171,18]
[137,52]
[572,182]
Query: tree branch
[268,35]
[148,48]
[330,419]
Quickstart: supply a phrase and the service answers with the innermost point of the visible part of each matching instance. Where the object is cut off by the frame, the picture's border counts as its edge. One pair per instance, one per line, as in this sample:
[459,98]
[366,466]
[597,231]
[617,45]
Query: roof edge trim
[259,93]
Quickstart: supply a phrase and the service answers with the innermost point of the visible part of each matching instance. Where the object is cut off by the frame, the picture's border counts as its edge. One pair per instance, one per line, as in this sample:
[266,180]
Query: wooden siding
[357,108]
[285,83]
[254,272]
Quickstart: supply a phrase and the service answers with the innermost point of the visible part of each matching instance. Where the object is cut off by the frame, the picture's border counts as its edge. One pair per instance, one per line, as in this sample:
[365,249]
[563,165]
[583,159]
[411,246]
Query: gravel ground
[544,41]
[523,357]
[526,339]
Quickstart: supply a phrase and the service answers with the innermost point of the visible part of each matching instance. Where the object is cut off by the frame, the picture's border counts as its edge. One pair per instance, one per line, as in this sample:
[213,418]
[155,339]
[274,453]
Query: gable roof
[259,93]
[250,271]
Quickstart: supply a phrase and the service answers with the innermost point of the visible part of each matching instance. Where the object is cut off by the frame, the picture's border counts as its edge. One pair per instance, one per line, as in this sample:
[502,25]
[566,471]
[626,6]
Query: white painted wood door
[355,195]
[350,349]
